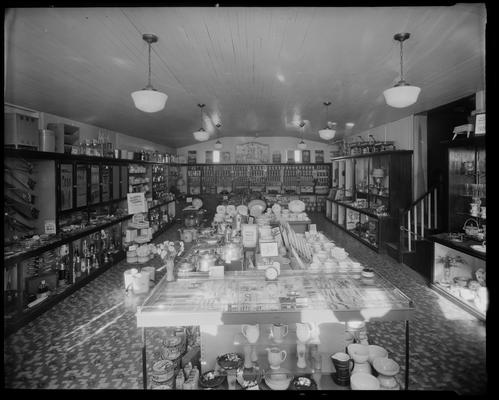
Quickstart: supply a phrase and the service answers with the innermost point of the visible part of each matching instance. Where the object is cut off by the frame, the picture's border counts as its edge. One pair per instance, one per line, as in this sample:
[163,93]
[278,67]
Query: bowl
[386,366]
[376,351]
[363,381]
[211,379]
[359,352]
[461,281]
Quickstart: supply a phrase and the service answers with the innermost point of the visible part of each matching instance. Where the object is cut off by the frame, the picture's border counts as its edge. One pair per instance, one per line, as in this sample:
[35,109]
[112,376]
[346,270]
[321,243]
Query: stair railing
[421,214]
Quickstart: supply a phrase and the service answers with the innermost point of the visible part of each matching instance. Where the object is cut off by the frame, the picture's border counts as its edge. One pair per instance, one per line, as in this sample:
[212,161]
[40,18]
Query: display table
[245,297]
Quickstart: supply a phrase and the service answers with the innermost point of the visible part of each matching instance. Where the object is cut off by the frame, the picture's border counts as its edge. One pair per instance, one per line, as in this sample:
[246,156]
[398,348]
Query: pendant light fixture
[201,135]
[302,145]
[402,94]
[218,144]
[327,133]
[149,99]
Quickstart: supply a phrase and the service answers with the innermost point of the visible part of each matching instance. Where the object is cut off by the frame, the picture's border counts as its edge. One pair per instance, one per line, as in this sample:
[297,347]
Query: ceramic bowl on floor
[359,352]
[386,366]
[376,351]
[363,381]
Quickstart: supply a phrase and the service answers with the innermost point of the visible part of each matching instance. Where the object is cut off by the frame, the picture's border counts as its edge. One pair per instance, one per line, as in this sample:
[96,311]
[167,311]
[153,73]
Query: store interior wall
[281,144]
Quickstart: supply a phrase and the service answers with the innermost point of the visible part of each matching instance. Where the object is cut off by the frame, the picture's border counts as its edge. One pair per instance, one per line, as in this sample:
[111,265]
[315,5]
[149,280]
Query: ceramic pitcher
[276,356]
[303,331]
[251,332]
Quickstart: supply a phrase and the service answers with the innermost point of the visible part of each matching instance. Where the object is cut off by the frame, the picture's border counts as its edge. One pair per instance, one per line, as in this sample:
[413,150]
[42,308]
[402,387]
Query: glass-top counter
[296,296]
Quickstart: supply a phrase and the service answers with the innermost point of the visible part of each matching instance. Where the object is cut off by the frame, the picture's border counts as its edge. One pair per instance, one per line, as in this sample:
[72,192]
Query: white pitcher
[251,332]
[303,331]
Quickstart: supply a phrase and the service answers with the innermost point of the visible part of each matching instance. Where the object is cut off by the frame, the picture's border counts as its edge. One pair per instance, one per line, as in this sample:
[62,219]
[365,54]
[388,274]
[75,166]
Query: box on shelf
[21,131]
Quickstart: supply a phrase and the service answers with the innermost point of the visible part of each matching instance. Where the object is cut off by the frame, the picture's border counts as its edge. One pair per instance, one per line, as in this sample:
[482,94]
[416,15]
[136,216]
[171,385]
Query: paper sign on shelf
[216,271]
[188,200]
[50,228]
[249,234]
[312,228]
[269,249]
[136,203]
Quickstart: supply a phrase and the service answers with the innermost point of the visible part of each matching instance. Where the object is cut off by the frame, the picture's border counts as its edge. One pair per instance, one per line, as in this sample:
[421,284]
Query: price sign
[50,228]
[249,234]
[188,199]
[268,249]
[136,203]
[312,228]
[226,197]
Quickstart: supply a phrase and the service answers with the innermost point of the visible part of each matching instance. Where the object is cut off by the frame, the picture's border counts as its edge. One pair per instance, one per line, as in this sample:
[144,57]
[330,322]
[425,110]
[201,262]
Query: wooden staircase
[417,221]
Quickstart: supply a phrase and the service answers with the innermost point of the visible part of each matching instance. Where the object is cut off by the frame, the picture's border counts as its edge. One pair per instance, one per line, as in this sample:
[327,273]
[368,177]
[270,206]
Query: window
[216,156]
[297,156]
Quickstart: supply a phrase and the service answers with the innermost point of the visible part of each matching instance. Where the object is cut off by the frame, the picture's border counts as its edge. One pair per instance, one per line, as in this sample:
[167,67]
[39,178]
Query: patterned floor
[90,340]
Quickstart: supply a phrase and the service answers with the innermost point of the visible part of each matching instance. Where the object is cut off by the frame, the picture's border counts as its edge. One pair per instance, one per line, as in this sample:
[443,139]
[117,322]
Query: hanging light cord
[149,79]
[401,63]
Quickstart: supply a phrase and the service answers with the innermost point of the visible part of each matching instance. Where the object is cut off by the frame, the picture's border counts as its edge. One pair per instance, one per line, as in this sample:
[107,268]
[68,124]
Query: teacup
[279,331]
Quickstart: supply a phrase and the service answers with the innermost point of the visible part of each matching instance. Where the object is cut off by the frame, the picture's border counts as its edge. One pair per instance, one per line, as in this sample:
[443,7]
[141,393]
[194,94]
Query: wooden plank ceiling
[258,70]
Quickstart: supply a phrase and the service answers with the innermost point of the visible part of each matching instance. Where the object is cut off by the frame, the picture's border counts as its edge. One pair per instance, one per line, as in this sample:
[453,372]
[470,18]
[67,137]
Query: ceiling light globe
[401,96]
[302,145]
[149,100]
[201,135]
[327,134]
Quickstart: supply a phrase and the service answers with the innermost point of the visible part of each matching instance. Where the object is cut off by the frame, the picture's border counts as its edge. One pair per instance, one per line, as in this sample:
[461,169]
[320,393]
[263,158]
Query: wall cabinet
[368,191]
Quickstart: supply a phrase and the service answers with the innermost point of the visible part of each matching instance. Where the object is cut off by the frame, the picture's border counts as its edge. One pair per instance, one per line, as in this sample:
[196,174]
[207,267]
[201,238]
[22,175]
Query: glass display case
[317,303]
[368,190]
[459,262]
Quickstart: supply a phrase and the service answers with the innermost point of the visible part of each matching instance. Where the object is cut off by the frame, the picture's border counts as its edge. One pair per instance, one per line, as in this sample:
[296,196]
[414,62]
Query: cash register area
[90,340]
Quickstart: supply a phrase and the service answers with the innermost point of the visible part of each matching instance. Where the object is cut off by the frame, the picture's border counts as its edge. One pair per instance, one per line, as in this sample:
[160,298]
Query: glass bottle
[76,266]
[62,274]
[42,290]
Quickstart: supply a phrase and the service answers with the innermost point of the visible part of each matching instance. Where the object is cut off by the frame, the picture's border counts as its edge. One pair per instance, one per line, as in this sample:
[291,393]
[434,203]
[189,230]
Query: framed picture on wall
[319,156]
[209,157]
[276,157]
[305,156]
[225,157]
[191,157]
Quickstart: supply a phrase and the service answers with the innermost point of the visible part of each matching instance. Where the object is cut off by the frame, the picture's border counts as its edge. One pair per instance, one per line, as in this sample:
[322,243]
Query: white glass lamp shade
[201,135]
[218,145]
[327,134]
[149,100]
[302,145]
[401,95]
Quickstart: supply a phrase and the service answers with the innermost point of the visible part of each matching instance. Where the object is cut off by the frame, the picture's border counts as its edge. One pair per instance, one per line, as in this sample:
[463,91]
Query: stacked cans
[163,373]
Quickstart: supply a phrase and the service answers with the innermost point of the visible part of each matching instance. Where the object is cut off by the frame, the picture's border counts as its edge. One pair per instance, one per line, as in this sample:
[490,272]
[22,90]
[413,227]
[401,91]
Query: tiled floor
[90,340]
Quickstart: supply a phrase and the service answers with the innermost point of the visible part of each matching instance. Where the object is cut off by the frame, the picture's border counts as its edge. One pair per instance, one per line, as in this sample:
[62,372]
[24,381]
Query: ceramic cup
[251,332]
[279,331]
[276,356]
[343,366]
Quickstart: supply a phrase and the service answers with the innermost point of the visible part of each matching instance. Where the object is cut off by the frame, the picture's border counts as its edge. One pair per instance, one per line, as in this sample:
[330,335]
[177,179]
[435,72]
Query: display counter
[326,300]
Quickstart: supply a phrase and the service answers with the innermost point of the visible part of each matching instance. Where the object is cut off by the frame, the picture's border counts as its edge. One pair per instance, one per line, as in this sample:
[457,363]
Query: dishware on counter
[205,261]
[242,209]
[251,332]
[278,379]
[249,378]
[363,381]
[301,351]
[343,366]
[296,206]
[303,331]
[376,351]
[278,332]
[303,383]
[360,354]
[211,379]
[387,369]
[230,361]
[276,357]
